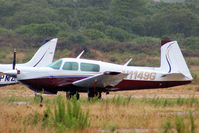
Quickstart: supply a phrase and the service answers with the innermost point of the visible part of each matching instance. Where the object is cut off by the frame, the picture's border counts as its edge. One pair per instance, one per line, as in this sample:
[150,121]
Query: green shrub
[72,117]
[147,41]
[4,31]
[117,34]
[118,100]
[180,125]
[39,29]
[94,34]
[46,30]
[35,119]
[46,117]
[167,127]
[113,128]
[77,38]
[192,123]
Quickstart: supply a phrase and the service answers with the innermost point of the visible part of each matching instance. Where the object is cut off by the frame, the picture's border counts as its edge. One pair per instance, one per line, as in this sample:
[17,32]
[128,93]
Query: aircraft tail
[172,60]
[44,56]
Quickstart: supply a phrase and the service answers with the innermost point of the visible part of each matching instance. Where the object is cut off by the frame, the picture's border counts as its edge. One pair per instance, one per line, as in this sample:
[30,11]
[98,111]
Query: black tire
[99,95]
[77,96]
[92,94]
[70,94]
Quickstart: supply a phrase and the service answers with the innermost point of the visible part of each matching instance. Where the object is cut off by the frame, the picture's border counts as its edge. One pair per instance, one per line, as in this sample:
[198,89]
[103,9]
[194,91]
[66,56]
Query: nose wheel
[38,96]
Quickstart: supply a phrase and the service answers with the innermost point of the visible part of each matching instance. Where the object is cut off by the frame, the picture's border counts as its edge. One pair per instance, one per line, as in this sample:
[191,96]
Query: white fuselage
[134,73]
[138,77]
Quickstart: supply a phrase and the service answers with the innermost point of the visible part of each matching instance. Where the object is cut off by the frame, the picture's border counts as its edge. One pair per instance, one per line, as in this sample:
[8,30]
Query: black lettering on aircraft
[12,79]
[7,78]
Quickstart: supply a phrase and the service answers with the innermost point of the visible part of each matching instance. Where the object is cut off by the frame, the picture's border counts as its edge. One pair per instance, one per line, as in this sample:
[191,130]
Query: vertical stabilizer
[172,60]
[44,56]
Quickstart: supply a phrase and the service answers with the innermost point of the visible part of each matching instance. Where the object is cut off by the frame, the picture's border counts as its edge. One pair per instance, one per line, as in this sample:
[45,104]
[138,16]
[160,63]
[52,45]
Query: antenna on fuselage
[126,64]
[78,57]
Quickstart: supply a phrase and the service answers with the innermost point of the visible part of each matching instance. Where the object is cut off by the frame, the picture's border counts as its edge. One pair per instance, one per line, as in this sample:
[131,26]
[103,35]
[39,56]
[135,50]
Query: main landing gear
[70,94]
[93,93]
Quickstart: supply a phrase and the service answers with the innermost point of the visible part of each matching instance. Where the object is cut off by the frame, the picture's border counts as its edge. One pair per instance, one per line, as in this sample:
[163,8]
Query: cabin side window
[56,64]
[70,66]
[89,67]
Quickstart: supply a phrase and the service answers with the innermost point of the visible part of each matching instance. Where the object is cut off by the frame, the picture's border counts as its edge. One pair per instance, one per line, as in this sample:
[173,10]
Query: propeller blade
[14,59]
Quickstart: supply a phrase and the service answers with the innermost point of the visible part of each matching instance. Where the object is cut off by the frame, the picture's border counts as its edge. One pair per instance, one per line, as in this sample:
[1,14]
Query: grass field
[153,111]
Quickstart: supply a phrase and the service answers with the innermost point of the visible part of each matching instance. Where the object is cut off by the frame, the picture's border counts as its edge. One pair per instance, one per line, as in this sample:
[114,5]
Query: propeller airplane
[74,75]
[43,57]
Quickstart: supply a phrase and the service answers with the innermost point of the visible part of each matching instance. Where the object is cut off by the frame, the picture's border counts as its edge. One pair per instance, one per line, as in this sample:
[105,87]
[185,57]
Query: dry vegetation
[160,110]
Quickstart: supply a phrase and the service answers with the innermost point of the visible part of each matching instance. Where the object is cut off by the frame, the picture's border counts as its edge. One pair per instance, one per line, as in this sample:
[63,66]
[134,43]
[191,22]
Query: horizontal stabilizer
[175,76]
[107,79]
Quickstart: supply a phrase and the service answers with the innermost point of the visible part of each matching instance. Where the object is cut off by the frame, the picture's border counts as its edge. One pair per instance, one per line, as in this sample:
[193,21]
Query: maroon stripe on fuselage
[139,84]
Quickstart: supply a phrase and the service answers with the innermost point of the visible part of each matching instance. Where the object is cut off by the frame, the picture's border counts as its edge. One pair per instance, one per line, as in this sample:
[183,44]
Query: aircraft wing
[107,79]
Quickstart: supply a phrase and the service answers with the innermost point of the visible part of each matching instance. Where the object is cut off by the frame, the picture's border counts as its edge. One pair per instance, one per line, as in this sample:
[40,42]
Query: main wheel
[92,94]
[99,95]
[70,94]
[77,96]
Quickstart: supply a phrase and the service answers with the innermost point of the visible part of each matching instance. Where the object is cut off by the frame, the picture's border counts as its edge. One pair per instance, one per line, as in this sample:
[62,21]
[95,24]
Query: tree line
[101,22]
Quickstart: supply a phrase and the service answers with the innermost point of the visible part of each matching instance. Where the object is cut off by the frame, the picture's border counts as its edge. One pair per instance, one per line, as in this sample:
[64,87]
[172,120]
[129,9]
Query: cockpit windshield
[56,64]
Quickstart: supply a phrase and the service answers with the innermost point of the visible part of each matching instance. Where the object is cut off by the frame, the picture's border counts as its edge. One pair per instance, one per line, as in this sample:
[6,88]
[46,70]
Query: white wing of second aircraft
[43,57]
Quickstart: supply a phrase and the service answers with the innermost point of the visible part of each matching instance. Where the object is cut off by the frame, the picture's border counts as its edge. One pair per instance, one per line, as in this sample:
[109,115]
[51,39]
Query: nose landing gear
[38,96]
